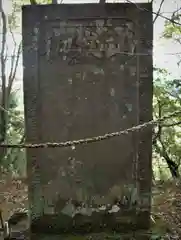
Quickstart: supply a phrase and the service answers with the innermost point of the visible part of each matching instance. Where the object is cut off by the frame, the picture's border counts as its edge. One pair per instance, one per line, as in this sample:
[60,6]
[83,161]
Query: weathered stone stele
[87,72]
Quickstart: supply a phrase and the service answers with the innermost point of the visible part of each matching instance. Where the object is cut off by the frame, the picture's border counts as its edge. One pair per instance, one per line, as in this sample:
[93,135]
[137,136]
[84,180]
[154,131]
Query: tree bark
[3,103]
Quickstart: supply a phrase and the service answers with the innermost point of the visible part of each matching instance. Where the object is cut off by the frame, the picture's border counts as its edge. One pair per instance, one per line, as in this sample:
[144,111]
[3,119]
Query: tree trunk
[3,103]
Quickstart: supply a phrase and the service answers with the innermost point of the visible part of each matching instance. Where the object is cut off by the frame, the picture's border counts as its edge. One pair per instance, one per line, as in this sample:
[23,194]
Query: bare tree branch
[3,75]
[175,12]
[171,124]
[173,167]
[12,34]
[3,103]
[14,66]
[159,10]
[6,54]
[155,13]
[6,82]
[157,135]
[176,96]
[13,57]
[171,164]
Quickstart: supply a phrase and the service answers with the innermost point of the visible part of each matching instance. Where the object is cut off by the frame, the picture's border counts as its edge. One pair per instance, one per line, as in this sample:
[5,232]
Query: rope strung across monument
[92,139]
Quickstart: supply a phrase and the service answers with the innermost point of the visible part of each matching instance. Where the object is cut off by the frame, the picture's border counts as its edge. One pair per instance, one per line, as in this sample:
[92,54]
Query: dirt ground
[13,195]
[166,206]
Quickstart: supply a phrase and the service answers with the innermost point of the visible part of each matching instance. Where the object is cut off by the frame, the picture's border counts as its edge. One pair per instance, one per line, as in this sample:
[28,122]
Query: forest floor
[13,195]
[166,204]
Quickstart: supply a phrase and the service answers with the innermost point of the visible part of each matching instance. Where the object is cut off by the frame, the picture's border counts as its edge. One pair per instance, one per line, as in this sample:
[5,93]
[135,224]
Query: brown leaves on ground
[166,206]
[13,195]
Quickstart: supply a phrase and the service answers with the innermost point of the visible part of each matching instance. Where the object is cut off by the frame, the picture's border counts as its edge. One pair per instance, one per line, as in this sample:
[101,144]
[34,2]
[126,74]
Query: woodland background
[166,210]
